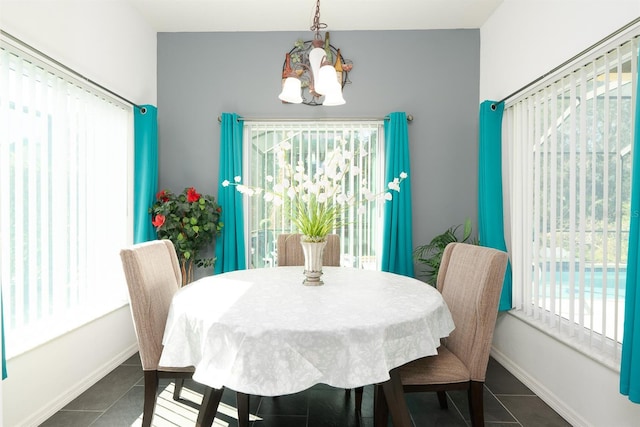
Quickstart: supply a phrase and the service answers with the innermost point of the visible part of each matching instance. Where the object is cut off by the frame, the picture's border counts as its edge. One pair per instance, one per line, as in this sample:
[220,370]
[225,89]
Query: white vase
[313,252]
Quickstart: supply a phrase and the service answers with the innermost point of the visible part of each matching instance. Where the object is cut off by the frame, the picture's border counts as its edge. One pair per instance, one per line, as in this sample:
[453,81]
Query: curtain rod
[143,110]
[573,58]
[321,119]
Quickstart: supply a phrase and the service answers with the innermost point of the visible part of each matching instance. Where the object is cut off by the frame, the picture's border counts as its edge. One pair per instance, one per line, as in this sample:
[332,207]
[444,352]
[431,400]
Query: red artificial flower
[192,195]
[158,221]
[162,196]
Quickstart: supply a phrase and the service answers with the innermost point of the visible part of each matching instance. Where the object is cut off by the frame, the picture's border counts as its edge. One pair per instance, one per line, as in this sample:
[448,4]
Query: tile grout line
[514,395]
[451,401]
[114,403]
[503,405]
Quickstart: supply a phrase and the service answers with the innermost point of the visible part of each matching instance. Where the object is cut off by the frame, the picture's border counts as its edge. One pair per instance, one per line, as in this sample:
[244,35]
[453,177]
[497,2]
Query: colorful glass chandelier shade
[314,72]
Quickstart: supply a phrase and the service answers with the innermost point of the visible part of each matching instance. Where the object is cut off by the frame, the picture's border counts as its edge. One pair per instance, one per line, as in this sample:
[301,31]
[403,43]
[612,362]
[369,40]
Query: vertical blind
[65,168]
[570,163]
[360,234]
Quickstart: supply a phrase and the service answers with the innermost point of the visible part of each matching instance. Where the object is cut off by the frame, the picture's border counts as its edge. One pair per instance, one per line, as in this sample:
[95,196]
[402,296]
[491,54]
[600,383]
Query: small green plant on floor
[431,254]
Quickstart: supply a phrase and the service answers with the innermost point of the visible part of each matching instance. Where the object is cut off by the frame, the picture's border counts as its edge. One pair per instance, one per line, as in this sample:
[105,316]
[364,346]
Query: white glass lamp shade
[325,78]
[315,62]
[291,91]
[334,94]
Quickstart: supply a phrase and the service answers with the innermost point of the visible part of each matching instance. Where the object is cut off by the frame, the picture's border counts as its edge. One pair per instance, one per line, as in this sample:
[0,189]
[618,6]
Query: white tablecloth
[262,332]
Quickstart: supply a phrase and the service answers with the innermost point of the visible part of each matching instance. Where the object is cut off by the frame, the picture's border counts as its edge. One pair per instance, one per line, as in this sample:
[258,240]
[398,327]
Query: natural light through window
[571,157]
[65,191]
[360,234]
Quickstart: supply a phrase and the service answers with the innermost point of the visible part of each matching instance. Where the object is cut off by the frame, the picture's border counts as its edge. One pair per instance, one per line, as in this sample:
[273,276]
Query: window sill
[610,359]
[39,334]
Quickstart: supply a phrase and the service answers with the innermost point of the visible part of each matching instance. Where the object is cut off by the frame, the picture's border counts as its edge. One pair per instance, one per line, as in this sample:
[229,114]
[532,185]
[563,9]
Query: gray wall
[432,75]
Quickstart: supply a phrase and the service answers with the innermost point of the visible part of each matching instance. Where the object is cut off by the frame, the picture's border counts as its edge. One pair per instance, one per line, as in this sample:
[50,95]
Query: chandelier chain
[317,25]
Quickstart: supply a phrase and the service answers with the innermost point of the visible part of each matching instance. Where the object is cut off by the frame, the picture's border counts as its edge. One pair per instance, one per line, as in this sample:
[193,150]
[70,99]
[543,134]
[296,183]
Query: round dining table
[262,332]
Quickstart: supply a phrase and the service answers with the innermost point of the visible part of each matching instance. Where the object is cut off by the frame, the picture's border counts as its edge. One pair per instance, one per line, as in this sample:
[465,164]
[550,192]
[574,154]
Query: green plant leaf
[467,230]
[431,254]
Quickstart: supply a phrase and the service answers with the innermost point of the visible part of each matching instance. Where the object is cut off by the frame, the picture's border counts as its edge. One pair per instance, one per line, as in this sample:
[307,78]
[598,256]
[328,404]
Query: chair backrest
[153,276]
[290,251]
[470,280]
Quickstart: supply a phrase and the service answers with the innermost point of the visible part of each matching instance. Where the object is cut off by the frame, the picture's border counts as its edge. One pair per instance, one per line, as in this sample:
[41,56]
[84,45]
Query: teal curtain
[630,360]
[145,171]
[397,246]
[490,217]
[230,248]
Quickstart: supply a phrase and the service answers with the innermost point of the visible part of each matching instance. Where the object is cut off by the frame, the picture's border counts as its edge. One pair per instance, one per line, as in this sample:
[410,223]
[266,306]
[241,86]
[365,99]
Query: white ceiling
[297,15]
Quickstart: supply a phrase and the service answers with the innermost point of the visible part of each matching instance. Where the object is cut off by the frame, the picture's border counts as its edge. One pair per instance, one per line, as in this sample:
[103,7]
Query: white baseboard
[540,390]
[66,396]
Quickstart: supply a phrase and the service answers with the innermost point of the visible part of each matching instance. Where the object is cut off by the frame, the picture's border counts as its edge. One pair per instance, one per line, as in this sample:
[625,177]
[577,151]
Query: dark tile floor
[116,401]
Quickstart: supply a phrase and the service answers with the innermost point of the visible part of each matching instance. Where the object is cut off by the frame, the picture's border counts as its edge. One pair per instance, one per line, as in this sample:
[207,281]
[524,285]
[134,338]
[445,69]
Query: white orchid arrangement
[318,199]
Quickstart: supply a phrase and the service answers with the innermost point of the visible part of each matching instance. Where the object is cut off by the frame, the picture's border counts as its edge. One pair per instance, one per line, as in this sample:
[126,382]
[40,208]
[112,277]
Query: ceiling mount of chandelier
[315,72]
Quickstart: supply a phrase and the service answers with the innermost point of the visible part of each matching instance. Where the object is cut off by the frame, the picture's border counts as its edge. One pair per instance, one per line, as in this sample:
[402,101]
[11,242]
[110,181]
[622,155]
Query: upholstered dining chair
[470,280]
[290,251]
[153,276]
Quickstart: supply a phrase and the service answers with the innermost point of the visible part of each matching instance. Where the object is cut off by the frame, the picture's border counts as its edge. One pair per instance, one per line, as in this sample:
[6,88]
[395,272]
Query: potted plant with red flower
[191,221]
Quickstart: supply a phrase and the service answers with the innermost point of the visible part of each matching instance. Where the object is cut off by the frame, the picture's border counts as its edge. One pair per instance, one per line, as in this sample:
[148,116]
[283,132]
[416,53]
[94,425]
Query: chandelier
[314,72]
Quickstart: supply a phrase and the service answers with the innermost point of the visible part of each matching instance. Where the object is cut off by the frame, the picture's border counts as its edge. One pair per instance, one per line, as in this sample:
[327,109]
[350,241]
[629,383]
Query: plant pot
[313,252]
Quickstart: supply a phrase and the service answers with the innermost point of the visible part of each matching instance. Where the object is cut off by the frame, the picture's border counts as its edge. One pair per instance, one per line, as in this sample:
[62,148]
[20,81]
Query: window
[571,157]
[360,236]
[65,190]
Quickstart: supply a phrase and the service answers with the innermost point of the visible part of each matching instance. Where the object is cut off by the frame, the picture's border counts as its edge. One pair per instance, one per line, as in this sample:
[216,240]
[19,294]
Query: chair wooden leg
[442,400]
[476,404]
[150,394]
[394,394]
[380,407]
[179,382]
[359,392]
[242,402]
[209,406]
